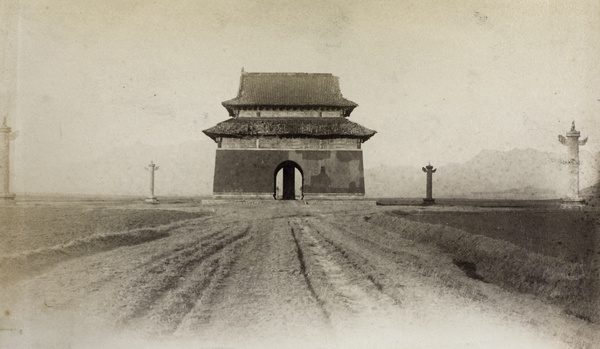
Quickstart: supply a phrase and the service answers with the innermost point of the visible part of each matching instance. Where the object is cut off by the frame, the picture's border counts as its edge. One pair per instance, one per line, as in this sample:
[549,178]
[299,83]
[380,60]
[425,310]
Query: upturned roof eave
[215,135]
[231,106]
[236,102]
[220,130]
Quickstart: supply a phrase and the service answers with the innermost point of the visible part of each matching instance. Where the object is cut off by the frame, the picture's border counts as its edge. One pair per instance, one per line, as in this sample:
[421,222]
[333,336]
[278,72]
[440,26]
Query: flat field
[571,235]
[262,274]
[570,238]
[24,228]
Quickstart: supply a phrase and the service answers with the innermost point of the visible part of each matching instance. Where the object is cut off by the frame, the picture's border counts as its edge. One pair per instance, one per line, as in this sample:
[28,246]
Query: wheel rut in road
[345,291]
[265,296]
[167,290]
[304,273]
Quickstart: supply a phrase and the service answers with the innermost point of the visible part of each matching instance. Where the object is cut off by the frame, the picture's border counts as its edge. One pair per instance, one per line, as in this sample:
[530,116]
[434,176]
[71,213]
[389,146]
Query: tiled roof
[294,126]
[289,90]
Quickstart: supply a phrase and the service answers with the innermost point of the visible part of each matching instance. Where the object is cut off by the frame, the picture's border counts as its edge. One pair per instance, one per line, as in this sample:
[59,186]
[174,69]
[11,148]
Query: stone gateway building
[289,138]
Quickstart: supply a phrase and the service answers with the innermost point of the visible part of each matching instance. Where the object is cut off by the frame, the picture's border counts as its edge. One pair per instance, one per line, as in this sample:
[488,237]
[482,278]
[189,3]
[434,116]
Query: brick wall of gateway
[252,171]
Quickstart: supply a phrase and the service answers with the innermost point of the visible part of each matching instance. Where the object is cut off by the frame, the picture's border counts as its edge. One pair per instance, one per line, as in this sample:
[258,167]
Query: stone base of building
[338,202]
[269,196]
[152,200]
[333,196]
[245,196]
[7,196]
[428,201]
[572,203]
[264,201]
[250,198]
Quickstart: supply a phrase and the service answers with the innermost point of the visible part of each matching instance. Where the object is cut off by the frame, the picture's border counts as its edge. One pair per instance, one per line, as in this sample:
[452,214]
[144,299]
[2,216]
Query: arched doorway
[288,181]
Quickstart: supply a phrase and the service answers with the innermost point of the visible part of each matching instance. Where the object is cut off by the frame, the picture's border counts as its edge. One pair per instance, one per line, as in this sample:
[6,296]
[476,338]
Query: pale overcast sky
[438,80]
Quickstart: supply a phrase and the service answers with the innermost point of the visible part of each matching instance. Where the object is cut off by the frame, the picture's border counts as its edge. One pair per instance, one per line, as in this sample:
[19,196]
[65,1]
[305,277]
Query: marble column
[5,193]
[429,200]
[572,142]
[151,198]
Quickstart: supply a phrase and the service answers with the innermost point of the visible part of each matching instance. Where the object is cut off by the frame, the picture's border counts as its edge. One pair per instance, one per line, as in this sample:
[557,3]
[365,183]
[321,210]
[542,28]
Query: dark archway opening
[288,181]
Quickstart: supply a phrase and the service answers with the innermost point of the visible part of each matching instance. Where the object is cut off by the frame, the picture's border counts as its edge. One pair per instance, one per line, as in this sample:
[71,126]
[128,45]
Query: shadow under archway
[288,186]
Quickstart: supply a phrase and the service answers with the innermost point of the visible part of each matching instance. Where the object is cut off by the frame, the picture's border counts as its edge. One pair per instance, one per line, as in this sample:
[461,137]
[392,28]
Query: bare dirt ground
[275,275]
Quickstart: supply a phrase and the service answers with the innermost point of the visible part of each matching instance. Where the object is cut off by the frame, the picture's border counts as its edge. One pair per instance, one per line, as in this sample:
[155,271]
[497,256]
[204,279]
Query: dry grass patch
[25,228]
[505,264]
[36,238]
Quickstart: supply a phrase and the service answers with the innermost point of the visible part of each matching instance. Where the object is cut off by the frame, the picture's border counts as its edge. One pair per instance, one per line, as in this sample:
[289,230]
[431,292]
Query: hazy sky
[438,80]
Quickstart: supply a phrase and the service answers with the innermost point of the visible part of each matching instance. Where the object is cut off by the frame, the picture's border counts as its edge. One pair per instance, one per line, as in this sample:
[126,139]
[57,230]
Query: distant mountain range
[514,174]
[187,170]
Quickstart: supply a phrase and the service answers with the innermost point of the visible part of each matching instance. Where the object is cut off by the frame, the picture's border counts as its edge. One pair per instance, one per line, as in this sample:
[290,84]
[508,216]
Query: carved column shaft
[572,142]
[151,168]
[4,159]
[429,170]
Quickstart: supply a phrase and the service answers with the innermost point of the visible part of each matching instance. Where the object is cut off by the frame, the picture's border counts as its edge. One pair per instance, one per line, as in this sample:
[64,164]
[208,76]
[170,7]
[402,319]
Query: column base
[428,201]
[152,200]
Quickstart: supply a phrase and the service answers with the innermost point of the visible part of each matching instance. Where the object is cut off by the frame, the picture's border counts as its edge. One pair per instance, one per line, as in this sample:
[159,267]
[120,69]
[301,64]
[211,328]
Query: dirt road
[276,276]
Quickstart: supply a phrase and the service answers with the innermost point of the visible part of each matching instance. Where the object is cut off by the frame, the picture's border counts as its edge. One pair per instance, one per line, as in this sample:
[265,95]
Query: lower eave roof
[290,127]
